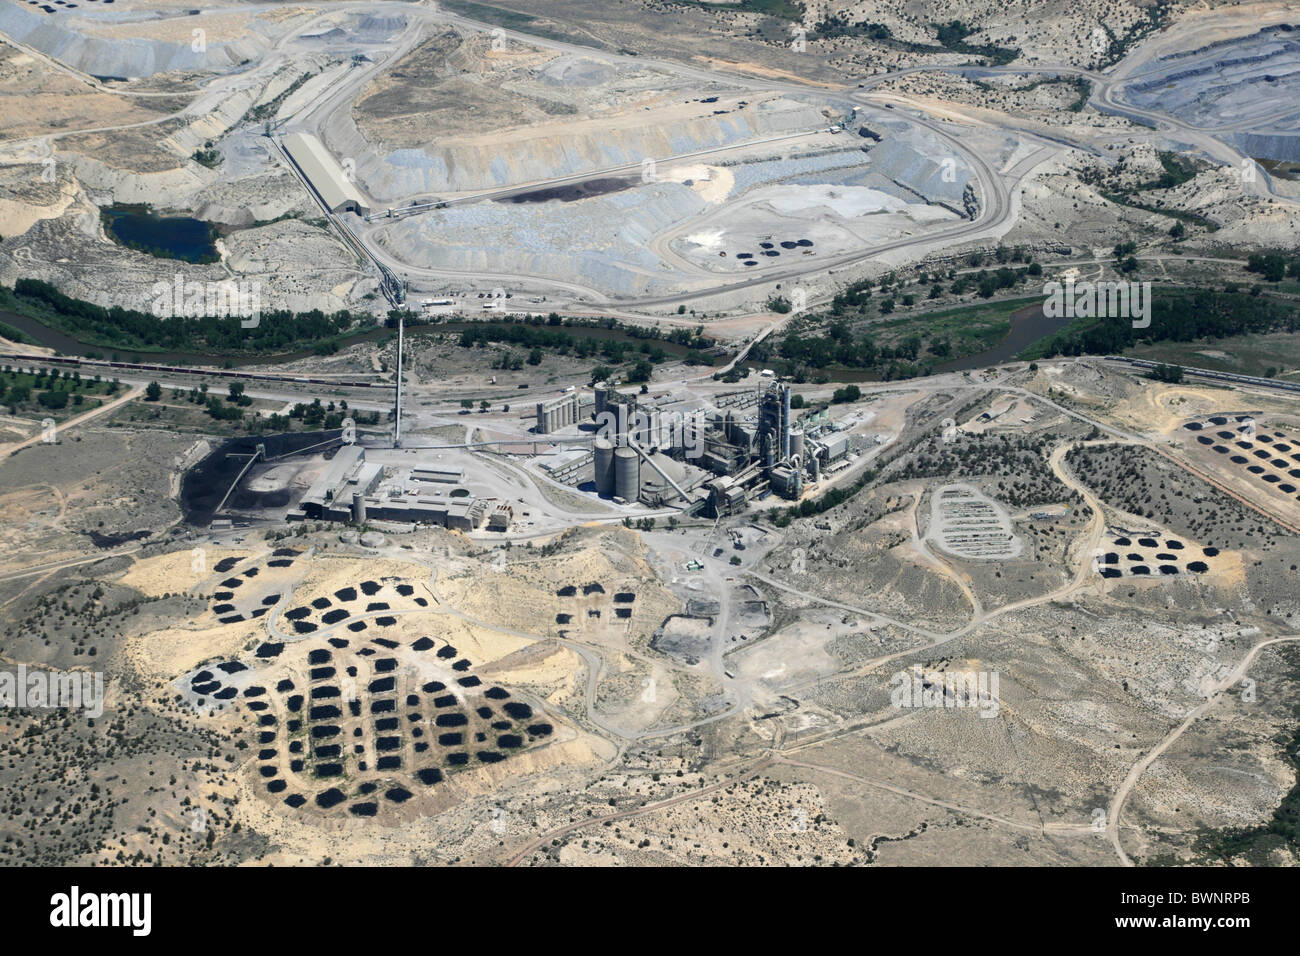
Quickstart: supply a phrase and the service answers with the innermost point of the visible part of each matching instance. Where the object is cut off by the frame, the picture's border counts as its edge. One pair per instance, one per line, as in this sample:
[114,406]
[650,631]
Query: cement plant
[650,433]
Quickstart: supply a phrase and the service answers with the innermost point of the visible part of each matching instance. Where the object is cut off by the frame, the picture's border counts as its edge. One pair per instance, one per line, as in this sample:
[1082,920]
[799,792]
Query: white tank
[627,473]
[796,443]
[604,462]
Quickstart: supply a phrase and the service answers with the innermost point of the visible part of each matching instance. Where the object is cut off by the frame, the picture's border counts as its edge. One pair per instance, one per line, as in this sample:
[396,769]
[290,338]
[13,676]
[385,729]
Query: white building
[324,173]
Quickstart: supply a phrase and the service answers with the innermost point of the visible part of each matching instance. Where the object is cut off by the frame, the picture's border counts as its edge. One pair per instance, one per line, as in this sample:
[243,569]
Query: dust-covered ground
[854,688]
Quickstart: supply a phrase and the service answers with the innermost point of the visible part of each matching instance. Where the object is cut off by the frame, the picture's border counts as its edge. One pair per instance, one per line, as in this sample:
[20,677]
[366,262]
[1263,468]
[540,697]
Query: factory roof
[324,173]
[335,473]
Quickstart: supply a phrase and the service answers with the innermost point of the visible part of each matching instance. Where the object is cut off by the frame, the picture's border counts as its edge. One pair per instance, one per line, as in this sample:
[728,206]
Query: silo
[604,460]
[358,508]
[796,442]
[627,473]
[602,397]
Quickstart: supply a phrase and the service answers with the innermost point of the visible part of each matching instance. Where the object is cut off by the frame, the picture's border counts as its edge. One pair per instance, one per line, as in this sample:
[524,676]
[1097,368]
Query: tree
[153,392]
[535,357]
[1270,265]
[1167,373]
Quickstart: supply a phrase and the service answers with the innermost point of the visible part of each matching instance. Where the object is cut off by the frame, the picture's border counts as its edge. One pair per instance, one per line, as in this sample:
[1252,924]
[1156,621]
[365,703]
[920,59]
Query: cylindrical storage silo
[602,397]
[796,442]
[604,461]
[627,473]
[358,508]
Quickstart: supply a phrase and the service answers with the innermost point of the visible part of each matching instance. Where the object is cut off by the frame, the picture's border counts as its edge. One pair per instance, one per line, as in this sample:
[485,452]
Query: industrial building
[768,454]
[332,185]
[348,489]
[670,451]
[501,518]
[345,475]
[440,476]
[747,449]
[561,412]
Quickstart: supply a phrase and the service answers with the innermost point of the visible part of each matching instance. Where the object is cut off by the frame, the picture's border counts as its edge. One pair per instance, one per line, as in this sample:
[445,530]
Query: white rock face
[122,57]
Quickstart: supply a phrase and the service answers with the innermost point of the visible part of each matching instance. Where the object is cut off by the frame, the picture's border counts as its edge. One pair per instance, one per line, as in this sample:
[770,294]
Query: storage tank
[604,461]
[796,443]
[627,473]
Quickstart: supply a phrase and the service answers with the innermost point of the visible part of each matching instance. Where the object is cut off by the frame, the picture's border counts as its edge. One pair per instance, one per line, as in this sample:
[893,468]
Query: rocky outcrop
[121,57]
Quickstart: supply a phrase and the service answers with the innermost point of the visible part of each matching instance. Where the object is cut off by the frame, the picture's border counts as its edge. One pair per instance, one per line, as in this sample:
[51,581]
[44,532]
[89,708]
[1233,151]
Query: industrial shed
[325,174]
